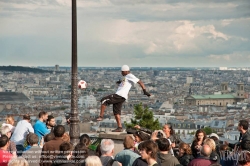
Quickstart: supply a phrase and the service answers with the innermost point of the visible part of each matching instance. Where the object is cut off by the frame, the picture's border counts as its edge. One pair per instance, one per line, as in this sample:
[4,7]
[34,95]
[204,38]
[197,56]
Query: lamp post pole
[74,131]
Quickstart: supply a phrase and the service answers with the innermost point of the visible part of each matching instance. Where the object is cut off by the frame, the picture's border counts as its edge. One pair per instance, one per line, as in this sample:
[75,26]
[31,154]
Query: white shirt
[23,127]
[126,84]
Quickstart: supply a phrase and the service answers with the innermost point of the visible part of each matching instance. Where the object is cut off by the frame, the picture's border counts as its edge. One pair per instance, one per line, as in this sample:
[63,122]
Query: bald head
[206,151]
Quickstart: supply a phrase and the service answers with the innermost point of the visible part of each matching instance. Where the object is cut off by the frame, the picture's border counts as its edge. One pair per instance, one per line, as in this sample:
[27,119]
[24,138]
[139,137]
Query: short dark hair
[59,131]
[66,148]
[149,146]
[41,114]
[163,144]
[49,137]
[50,117]
[26,117]
[85,139]
[32,139]
[3,140]
[80,152]
[244,124]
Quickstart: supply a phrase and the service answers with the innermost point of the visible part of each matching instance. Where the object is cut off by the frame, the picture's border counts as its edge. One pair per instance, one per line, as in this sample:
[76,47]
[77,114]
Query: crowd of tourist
[47,144]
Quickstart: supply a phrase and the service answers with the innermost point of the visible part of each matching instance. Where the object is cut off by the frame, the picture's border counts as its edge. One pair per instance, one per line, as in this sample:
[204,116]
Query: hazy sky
[164,33]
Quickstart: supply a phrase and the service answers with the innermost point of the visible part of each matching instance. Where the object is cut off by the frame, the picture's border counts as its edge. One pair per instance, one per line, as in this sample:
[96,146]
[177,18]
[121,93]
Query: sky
[139,33]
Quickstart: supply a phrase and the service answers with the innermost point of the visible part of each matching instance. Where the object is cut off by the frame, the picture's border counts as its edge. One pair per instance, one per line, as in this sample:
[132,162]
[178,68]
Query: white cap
[125,68]
[215,135]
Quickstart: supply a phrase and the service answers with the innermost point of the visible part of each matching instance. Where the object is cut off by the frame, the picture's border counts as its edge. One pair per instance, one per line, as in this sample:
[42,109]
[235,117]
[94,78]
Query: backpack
[110,162]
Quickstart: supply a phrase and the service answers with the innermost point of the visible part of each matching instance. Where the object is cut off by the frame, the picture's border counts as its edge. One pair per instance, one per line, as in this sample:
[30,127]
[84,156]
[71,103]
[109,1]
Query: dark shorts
[114,99]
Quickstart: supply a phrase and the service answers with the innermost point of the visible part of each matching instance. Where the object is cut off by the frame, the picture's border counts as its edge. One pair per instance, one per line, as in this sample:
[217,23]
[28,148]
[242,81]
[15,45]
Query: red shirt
[5,157]
[200,162]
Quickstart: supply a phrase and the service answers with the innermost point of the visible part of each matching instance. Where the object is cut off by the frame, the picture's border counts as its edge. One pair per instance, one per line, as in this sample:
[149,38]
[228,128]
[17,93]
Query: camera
[159,134]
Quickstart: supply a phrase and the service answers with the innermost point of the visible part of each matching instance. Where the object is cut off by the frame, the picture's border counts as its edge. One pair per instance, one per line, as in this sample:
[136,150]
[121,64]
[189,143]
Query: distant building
[218,99]
[56,67]
[189,79]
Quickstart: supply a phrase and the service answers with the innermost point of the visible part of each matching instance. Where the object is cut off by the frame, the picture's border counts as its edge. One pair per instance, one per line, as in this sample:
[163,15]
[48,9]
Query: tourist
[164,156]
[33,154]
[40,128]
[107,149]
[64,157]
[244,140]
[200,136]
[12,146]
[19,161]
[127,156]
[5,156]
[23,127]
[51,148]
[93,161]
[185,154]
[50,123]
[204,157]
[148,152]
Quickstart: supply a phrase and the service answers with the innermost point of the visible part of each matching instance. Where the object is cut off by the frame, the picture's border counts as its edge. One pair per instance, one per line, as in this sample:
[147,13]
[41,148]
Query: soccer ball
[82,84]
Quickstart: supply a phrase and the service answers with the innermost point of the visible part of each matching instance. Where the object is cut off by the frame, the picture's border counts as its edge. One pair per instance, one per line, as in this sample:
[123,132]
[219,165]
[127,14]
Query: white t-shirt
[126,84]
[23,127]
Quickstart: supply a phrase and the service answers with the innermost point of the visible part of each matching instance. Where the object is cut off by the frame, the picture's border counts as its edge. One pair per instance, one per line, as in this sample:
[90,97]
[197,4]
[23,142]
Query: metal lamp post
[74,131]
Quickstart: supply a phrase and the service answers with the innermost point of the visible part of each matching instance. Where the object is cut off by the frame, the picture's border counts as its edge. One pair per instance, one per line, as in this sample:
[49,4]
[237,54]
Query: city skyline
[162,33]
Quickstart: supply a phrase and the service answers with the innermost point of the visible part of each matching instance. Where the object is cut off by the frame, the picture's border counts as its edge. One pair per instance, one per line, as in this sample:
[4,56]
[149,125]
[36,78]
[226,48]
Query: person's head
[66,149]
[128,142]
[43,116]
[244,158]
[184,149]
[32,139]
[214,136]
[49,137]
[4,142]
[107,147]
[210,142]
[93,161]
[59,131]
[26,117]
[18,161]
[51,121]
[224,147]
[163,144]
[125,70]
[206,150]
[10,120]
[200,135]
[243,125]
[168,129]
[148,149]
[5,130]
[141,136]
[80,152]
[85,139]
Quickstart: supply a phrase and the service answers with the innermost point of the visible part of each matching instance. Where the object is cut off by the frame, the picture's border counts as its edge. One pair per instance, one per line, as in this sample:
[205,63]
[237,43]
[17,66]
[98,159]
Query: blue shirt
[40,129]
[126,157]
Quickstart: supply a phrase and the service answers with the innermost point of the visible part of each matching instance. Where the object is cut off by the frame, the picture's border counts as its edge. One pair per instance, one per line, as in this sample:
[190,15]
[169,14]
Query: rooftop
[217,96]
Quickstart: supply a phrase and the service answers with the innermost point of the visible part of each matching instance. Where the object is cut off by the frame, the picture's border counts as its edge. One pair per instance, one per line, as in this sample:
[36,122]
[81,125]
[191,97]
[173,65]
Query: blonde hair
[10,120]
[93,161]
[19,161]
[210,142]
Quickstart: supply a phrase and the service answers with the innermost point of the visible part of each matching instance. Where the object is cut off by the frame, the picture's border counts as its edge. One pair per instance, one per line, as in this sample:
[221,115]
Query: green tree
[144,118]
[208,130]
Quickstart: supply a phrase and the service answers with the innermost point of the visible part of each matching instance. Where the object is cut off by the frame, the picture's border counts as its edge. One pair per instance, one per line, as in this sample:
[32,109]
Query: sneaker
[118,129]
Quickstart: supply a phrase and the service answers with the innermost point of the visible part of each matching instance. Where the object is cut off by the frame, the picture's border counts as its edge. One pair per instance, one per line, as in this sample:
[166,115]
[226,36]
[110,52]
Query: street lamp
[74,130]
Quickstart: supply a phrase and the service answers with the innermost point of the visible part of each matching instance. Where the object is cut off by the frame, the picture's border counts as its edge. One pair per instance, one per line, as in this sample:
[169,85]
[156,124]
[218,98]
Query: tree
[208,130]
[144,118]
